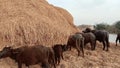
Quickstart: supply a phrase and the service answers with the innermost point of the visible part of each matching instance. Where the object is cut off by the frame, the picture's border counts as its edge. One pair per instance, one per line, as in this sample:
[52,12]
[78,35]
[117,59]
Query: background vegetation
[114,28]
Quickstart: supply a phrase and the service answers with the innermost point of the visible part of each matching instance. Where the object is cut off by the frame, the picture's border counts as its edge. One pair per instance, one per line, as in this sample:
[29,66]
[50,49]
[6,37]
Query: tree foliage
[117,25]
[101,26]
[115,28]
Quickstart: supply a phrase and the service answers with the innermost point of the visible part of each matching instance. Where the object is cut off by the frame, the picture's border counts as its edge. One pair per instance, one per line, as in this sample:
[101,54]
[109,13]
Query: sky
[91,12]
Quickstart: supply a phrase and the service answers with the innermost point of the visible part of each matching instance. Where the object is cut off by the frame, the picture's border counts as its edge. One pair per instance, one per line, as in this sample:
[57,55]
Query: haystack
[30,22]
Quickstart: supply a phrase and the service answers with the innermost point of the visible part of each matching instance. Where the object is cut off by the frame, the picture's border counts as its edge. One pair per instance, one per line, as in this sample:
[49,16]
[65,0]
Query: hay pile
[27,22]
[30,22]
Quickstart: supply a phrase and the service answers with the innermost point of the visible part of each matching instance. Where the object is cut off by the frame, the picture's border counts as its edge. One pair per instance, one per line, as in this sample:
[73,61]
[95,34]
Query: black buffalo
[89,38]
[76,41]
[101,36]
[118,38]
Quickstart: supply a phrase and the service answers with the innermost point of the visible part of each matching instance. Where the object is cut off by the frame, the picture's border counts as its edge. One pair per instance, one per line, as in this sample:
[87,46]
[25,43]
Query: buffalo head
[8,52]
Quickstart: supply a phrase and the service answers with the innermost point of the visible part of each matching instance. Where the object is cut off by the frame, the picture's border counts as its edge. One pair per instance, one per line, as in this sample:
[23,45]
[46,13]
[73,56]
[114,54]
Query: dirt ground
[92,59]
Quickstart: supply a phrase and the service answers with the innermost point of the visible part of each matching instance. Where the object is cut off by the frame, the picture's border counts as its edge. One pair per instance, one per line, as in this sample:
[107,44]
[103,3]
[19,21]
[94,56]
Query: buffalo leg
[54,64]
[77,46]
[27,66]
[78,52]
[52,61]
[58,60]
[108,45]
[70,47]
[45,65]
[117,40]
[82,51]
[81,46]
[92,45]
[55,59]
[103,45]
[19,65]
[62,55]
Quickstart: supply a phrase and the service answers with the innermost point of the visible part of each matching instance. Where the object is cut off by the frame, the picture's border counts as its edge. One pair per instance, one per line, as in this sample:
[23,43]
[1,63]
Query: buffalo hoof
[93,49]
[107,50]
[83,56]
[103,48]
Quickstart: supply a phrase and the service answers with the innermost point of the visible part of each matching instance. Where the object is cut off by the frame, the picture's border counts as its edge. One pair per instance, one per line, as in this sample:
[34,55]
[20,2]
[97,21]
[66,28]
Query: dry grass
[93,59]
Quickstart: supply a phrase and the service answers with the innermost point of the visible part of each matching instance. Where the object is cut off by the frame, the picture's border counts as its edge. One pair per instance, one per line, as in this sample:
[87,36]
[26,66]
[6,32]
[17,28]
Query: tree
[117,25]
[101,26]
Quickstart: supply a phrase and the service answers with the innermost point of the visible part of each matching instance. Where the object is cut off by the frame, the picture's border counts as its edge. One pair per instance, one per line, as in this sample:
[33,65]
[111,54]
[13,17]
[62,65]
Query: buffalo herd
[48,57]
[101,36]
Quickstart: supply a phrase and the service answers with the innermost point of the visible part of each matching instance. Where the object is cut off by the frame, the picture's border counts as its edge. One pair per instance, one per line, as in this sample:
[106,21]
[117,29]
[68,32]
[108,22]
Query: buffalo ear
[83,31]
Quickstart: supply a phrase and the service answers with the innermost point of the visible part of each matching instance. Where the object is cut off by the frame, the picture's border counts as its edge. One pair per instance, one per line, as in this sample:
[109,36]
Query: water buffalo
[76,41]
[89,38]
[58,50]
[118,38]
[30,55]
[101,36]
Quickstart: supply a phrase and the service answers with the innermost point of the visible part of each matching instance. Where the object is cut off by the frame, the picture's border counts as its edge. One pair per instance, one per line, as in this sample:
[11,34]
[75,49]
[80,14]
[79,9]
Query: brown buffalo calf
[58,50]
